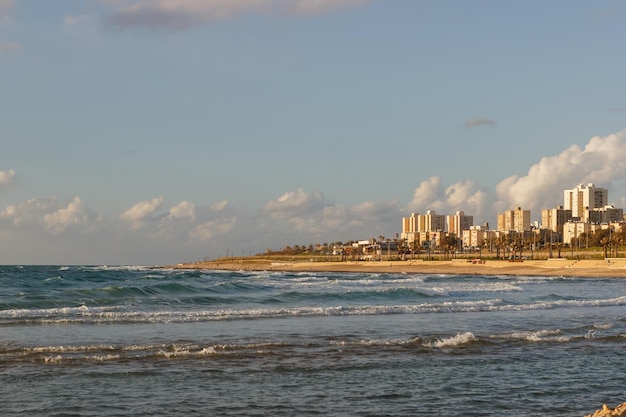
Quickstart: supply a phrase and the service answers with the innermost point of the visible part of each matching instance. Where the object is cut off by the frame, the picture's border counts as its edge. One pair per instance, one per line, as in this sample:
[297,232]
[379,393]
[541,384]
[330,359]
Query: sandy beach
[547,267]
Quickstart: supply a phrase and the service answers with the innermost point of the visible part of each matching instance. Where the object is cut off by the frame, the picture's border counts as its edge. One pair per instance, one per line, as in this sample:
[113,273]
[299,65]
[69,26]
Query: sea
[142,341]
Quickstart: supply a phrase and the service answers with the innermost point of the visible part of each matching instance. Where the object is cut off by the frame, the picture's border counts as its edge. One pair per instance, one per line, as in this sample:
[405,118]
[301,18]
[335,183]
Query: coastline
[615,267]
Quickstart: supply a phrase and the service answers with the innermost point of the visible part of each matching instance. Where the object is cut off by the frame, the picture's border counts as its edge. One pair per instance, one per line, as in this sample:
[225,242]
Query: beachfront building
[573,230]
[607,214]
[459,222]
[585,209]
[418,227]
[554,219]
[411,227]
[584,198]
[434,222]
[476,236]
[517,220]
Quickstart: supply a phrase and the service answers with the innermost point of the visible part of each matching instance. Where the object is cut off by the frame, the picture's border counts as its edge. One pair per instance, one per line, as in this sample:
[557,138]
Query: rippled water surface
[87,341]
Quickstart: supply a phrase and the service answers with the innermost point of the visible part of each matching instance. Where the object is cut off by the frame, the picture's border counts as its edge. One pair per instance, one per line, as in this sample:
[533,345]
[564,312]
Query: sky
[153,132]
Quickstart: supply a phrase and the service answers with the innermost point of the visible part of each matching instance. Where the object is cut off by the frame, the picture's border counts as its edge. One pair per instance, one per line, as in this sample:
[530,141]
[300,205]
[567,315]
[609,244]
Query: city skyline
[157,132]
[578,201]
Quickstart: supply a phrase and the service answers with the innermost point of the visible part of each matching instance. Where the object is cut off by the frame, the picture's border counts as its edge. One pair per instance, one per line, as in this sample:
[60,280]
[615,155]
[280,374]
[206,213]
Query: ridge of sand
[615,267]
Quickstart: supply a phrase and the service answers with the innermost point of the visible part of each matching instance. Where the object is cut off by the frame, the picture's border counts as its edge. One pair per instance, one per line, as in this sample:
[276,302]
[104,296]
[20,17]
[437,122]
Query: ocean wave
[123,314]
[534,336]
[103,353]
[338,346]
[459,339]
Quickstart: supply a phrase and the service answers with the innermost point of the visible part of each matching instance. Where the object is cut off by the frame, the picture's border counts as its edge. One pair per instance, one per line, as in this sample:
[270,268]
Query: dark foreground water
[133,341]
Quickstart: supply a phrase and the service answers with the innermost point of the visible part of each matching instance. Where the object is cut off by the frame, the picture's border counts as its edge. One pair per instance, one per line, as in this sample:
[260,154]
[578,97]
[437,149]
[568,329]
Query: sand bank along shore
[615,267]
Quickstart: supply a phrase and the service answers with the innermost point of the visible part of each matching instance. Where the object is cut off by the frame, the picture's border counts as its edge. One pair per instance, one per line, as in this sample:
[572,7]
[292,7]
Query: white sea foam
[210,350]
[55,278]
[113,314]
[64,349]
[97,268]
[531,336]
[375,342]
[458,340]
[104,358]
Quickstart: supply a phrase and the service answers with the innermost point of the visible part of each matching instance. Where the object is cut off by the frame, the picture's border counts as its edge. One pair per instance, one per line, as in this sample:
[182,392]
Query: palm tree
[416,248]
[502,242]
[605,244]
[448,243]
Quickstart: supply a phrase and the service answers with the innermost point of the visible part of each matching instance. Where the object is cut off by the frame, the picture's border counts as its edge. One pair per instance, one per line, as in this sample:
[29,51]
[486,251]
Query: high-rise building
[554,219]
[418,223]
[607,214]
[429,222]
[583,198]
[459,222]
[434,222]
[476,236]
[517,220]
[410,224]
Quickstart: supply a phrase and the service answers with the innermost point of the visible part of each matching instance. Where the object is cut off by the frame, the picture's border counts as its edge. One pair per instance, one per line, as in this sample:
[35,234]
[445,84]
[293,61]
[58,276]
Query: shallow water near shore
[133,341]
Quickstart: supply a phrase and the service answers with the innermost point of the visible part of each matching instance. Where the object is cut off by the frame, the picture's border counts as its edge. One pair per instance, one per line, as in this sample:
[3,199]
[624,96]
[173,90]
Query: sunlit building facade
[517,220]
[584,198]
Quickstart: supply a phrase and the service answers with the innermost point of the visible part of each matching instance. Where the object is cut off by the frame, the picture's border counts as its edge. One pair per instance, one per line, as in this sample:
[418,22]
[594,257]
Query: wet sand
[547,267]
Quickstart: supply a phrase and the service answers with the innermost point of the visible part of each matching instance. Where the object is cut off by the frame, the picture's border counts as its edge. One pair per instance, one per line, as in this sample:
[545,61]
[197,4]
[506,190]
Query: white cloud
[177,15]
[464,195]
[48,214]
[296,203]
[482,121]
[181,223]
[220,205]
[426,194]
[75,213]
[467,195]
[304,217]
[28,214]
[141,211]
[184,210]
[212,229]
[374,210]
[177,221]
[7,46]
[7,178]
[601,161]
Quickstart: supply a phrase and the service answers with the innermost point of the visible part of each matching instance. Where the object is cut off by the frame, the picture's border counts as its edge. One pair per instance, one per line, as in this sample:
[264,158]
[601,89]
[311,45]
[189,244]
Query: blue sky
[162,131]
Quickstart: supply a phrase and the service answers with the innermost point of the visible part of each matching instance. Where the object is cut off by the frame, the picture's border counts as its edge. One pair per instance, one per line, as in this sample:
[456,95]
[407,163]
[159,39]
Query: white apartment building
[476,236]
[459,222]
[418,223]
[573,230]
[584,198]
[554,219]
[517,220]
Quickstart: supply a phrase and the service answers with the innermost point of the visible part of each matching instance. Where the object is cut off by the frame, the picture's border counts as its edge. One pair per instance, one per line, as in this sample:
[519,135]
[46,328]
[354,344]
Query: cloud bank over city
[307,217]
